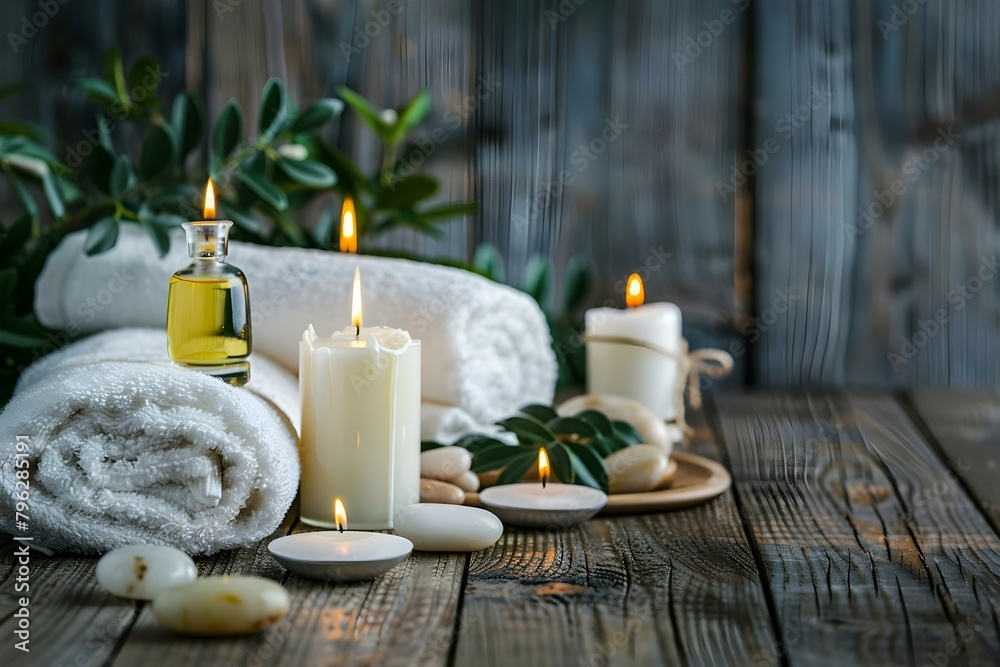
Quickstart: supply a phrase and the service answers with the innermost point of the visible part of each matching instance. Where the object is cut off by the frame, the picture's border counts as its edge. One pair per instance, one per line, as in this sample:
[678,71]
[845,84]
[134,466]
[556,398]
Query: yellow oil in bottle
[208,309]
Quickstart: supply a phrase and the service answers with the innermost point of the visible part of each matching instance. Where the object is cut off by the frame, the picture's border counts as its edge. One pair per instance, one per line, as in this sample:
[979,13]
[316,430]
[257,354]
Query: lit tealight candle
[340,555]
[543,505]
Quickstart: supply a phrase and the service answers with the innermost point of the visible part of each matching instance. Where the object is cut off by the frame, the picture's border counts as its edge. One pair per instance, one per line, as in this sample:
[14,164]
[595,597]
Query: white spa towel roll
[485,347]
[122,447]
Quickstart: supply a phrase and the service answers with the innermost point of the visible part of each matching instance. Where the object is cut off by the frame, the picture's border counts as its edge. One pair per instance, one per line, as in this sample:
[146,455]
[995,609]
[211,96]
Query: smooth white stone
[435,527]
[636,469]
[433,491]
[143,571]
[444,463]
[467,481]
[653,430]
[233,605]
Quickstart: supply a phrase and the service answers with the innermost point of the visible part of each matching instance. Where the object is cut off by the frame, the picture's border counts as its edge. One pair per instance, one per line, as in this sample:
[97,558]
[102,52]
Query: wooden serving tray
[690,480]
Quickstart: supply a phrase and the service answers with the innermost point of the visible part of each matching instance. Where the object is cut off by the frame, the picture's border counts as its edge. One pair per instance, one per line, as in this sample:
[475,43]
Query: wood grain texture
[878,211]
[403,618]
[669,588]
[966,425]
[872,553]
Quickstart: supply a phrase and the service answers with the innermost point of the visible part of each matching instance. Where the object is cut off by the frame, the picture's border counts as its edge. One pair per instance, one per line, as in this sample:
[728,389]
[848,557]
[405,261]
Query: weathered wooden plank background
[822,174]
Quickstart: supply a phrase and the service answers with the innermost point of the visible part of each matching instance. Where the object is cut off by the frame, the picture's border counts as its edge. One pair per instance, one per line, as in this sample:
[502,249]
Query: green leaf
[17,235]
[159,235]
[228,130]
[272,107]
[598,420]
[157,152]
[562,465]
[265,189]
[589,467]
[114,72]
[347,172]
[542,413]
[308,172]
[325,225]
[412,115]
[605,446]
[517,469]
[99,91]
[627,433]
[98,166]
[496,456]
[102,236]
[27,201]
[536,284]
[428,445]
[446,211]
[367,113]
[528,429]
[489,261]
[571,425]
[405,192]
[576,284]
[121,176]
[52,195]
[317,115]
[188,122]
[25,128]
[143,80]
[475,442]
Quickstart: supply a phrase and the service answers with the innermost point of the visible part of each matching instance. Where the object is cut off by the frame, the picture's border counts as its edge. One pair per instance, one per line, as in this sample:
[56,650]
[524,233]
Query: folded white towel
[485,347]
[124,447]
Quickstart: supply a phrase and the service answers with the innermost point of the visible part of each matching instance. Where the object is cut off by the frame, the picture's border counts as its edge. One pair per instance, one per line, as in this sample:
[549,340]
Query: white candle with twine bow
[635,352]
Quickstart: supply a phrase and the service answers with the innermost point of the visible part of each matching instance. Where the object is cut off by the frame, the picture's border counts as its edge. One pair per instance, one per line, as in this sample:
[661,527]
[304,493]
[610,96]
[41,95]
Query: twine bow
[690,366]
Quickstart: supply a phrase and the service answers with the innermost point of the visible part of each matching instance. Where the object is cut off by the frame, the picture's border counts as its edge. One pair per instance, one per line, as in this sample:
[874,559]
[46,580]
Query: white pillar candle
[633,371]
[360,392]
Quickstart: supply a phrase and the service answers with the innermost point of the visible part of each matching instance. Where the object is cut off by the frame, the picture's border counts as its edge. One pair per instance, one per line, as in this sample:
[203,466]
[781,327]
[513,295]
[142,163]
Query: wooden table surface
[861,529]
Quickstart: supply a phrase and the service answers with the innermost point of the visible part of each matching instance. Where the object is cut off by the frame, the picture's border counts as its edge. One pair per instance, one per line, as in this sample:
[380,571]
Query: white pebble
[467,481]
[143,571]
[636,469]
[444,463]
[653,430]
[434,491]
[233,605]
[433,527]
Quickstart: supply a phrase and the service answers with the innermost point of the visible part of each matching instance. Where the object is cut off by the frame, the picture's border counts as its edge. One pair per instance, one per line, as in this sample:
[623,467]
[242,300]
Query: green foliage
[577,445]
[263,182]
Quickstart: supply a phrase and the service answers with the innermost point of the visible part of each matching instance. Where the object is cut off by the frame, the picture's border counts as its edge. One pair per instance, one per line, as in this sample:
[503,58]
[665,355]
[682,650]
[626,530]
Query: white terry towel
[485,347]
[125,447]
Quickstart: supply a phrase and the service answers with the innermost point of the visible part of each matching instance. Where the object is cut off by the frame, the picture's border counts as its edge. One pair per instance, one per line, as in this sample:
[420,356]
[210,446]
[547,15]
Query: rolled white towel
[485,347]
[122,446]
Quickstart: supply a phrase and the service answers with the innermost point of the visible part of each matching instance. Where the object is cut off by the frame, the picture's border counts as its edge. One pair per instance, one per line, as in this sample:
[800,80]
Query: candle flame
[339,514]
[356,318]
[635,294]
[543,466]
[209,209]
[348,227]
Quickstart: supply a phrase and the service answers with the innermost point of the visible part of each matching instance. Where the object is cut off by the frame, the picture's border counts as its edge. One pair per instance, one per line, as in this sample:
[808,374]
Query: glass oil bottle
[208,307]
